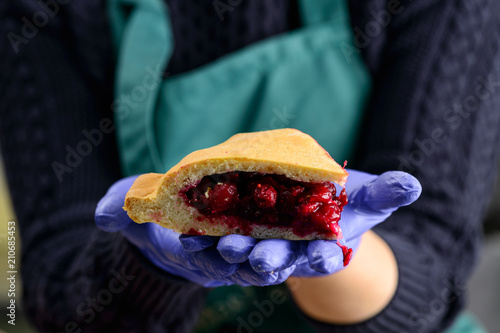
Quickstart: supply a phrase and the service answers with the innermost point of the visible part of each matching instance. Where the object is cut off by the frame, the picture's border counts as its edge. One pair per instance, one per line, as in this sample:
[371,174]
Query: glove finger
[163,248]
[304,270]
[138,233]
[216,284]
[273,255]
[356,180]
[285,274]
[212,263]
[159,244]
[386,192]
[184,271]
[236,248]
[325,256]
[247,276]
[235,279]
[196,243]
[109,213]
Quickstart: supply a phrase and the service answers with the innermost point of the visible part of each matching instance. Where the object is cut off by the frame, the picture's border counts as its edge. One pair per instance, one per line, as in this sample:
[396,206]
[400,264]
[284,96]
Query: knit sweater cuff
[154,298]
[416,271]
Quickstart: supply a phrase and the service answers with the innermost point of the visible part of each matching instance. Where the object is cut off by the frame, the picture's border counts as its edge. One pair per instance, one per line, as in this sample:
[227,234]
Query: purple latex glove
[372,199]
[160,245]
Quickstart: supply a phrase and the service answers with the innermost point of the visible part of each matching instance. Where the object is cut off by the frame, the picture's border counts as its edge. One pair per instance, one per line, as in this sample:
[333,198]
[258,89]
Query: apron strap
[144,45]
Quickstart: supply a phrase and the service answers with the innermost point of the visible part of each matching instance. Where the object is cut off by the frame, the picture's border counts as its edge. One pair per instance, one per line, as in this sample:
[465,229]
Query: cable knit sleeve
[434,113]
[57,138]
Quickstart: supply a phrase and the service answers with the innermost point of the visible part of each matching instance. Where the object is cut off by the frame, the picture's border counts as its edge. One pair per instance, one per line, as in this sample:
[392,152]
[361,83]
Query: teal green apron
[301,79]
[306,79]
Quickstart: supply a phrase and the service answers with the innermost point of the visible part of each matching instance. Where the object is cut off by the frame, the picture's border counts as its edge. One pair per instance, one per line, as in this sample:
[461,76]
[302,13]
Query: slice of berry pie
[270,184]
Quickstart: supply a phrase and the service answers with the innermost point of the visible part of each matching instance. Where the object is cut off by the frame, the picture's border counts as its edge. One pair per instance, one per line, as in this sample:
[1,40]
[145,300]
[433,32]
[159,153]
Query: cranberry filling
[243,199]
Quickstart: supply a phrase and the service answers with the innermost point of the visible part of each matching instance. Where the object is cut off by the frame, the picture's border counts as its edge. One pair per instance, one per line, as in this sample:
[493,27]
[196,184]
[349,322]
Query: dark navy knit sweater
[434,112]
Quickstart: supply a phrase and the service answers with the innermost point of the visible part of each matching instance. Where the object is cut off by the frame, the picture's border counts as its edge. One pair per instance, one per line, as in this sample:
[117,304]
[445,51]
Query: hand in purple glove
[372,199]
[160,245]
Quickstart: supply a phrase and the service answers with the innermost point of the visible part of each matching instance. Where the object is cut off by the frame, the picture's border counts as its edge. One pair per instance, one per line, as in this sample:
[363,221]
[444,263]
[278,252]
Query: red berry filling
[194,232]
[244,199]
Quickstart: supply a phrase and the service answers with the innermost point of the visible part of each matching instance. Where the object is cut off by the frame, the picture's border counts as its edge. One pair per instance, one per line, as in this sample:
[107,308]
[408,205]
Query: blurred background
[483,289]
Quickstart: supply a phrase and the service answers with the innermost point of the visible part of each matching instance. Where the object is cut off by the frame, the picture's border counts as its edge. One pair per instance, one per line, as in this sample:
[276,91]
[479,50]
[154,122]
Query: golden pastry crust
[290,152]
